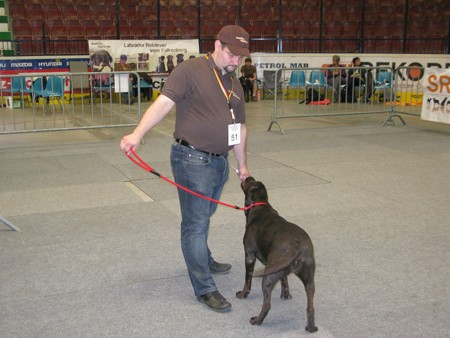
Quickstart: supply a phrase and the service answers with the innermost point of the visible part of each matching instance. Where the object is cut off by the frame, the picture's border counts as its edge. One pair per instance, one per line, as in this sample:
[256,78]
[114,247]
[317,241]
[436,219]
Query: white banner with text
[436,95]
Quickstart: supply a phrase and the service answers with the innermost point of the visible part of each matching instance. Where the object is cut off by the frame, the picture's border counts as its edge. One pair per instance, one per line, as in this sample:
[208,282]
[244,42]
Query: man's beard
[230,69]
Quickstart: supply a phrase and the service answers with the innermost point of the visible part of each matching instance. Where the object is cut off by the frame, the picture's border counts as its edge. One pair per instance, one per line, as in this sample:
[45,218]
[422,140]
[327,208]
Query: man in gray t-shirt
[210,121]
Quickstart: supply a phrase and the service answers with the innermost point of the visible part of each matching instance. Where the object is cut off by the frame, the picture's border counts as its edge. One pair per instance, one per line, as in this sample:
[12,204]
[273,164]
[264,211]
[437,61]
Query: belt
[187,144]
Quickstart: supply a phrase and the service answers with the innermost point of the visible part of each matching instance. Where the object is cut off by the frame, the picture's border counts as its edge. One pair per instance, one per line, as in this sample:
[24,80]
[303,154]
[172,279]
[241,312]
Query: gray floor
[98,253]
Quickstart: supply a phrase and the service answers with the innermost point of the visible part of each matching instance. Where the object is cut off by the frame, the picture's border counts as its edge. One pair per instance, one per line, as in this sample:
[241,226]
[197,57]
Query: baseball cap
[236,39]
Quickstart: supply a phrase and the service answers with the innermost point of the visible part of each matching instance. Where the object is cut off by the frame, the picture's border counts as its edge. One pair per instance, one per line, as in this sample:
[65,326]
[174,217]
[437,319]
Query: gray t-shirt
[202,111]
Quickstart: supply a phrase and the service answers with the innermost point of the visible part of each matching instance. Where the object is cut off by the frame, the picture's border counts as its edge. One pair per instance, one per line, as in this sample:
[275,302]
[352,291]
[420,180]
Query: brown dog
[281,246]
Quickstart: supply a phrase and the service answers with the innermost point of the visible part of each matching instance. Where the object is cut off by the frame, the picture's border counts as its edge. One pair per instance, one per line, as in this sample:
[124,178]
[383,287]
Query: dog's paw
[311,329]
[255,321]
[241,294]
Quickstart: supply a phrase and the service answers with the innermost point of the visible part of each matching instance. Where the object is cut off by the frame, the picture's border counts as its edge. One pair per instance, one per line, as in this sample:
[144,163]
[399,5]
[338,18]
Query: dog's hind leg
[285,294]
[268,283]
[306,275]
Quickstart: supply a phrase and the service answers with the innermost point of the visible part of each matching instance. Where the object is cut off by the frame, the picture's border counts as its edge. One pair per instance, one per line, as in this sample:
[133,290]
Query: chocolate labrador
[281,246]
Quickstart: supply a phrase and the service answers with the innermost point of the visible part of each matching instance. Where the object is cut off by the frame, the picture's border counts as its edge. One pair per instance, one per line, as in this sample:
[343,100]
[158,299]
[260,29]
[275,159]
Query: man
[359,76]
[248,79]
[123,66]
[336,77]
[210,121]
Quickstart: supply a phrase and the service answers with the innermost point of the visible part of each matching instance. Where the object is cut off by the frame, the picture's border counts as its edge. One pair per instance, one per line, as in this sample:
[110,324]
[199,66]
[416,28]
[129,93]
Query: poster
[436,95]
[154,57]
[273,61]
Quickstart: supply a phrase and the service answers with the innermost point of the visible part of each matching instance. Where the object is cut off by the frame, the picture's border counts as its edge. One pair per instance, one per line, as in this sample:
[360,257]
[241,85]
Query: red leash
[141,163]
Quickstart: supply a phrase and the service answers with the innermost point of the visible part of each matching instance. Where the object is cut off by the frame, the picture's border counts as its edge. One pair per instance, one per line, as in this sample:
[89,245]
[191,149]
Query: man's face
[229,61]
[357,62]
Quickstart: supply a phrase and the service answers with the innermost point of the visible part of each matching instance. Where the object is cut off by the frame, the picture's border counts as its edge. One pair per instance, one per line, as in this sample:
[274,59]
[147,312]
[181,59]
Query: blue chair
[18,85]
[146,89]
[37,89]
[383,85]
[317,79]
[384,78]
[297,80]
[54,89]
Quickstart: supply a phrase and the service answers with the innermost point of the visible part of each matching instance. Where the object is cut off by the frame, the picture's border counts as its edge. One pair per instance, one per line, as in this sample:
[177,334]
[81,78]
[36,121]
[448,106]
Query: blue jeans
[206,175]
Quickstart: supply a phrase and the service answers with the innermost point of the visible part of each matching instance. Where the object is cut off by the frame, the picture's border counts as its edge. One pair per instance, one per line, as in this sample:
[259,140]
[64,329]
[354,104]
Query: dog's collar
[254,205]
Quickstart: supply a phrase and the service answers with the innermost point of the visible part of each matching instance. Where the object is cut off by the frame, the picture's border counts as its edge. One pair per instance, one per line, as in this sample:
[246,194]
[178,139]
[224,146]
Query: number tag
[234,134]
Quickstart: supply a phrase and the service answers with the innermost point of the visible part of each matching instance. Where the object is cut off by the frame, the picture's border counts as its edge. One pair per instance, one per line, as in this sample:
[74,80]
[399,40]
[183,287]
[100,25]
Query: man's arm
[240,152]
[154,114]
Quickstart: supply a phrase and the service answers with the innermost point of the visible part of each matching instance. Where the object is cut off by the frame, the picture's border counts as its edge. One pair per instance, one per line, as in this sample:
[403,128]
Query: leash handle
[141,163]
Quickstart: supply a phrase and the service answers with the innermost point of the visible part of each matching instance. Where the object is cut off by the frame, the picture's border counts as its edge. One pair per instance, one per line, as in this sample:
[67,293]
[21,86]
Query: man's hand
[243,173]
[129,142]
[154,114]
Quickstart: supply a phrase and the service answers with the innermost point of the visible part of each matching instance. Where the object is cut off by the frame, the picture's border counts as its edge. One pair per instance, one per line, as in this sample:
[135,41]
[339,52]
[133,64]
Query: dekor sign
[413,71]
[409,66]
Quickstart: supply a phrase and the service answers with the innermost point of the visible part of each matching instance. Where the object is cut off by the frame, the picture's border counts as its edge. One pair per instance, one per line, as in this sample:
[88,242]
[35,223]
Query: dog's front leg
[250,260]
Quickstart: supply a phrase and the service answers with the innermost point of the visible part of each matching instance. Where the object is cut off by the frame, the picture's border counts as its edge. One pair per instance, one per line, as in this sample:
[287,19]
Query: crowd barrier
[408,91]
[64,101]
[312,92]
[318,92]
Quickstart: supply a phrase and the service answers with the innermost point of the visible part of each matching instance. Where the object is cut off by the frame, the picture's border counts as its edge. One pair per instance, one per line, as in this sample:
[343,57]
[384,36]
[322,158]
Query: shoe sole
[220,272]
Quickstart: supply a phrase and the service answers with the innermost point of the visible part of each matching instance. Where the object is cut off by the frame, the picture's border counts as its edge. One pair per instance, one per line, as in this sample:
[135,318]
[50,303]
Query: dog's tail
[286,262]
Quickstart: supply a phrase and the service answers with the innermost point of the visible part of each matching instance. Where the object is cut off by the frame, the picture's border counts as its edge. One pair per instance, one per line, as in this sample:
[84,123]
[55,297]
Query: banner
[155,57]
[274,61]
[436,95]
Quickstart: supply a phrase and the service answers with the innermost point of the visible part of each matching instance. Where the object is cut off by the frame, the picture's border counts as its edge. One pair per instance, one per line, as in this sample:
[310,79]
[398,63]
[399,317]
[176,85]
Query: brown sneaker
[215,301]
[220,268]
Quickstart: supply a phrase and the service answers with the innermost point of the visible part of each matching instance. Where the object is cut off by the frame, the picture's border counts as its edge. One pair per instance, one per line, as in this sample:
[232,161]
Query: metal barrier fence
[63,101]
[408,91]
[316,92]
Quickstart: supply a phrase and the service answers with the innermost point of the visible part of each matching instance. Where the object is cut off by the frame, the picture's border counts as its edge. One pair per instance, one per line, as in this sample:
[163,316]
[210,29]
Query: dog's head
[254,191]
[180,58]
[100,59]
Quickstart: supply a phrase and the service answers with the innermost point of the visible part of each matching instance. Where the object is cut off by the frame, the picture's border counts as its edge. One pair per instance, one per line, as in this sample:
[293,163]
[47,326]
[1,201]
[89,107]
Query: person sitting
[248,80]
[359,77]
[336,77]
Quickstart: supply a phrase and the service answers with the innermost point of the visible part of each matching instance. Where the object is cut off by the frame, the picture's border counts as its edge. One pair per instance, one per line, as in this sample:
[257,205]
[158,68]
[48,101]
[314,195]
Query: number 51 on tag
[234,134]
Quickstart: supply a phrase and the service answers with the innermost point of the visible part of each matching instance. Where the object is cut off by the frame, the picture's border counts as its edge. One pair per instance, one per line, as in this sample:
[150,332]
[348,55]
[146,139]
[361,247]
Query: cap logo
[241,39]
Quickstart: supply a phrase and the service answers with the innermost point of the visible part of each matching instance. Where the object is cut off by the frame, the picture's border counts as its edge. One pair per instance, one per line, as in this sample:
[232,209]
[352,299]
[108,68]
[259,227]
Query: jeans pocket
[196,159]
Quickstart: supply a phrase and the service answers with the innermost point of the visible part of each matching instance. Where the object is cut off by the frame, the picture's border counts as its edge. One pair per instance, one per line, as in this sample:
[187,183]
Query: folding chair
[269,84]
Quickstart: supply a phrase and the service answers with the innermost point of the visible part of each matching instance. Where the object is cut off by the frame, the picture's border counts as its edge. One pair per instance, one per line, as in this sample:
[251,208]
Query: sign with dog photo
[155,57]
[436,95]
